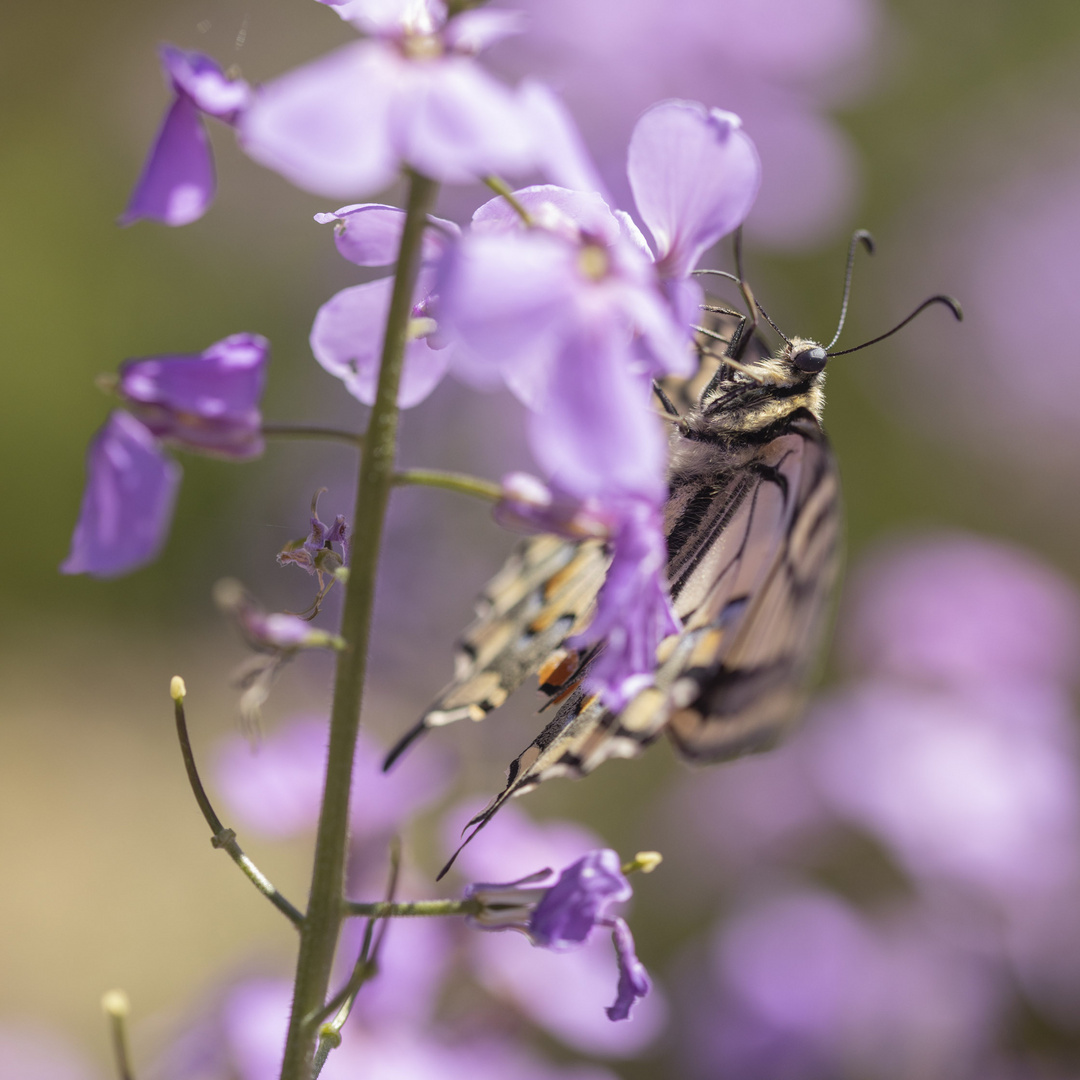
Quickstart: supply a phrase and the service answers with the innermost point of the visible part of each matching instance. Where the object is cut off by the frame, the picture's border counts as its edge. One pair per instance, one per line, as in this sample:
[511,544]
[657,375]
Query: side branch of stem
[221,836]
[462,483]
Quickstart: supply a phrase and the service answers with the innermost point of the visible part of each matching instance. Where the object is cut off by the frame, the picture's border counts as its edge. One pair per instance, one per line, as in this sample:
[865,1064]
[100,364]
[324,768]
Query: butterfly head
[758,391]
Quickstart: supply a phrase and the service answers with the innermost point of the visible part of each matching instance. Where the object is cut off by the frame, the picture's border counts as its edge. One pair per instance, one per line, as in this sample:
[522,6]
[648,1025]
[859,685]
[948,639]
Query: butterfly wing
[753,551]
[545,593]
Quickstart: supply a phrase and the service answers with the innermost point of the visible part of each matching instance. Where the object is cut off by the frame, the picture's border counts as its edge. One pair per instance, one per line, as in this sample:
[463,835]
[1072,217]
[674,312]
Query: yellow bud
[115,1003]
[177,689]
[648,861]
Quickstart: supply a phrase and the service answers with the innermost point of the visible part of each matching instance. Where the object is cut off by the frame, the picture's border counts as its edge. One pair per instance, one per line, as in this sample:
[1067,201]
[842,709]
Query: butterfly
[753,526]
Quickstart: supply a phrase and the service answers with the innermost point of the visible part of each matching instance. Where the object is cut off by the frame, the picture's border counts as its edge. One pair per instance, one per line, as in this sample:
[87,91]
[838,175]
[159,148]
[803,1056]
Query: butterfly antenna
[861,236]
[952,304]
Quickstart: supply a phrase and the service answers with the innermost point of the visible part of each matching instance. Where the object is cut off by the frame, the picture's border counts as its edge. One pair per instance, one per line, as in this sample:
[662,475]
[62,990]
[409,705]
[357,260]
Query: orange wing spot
[706,649]
[557,669]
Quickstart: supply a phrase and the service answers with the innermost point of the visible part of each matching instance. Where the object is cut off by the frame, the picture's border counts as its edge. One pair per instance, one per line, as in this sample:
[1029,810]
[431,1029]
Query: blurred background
[808,922]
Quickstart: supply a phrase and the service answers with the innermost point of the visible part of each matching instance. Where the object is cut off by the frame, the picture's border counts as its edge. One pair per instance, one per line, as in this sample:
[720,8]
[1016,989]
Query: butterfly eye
[810,360]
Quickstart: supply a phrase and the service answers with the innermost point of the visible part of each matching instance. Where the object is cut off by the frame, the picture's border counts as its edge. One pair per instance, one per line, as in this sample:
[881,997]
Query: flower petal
[200,78]
[128,503]
[369,234]
[209,401]
[452,121]
[695,174]
[325,126]
[177,183]
[579,899]
[634,981]
[596,434]
[347,340]
[478,29]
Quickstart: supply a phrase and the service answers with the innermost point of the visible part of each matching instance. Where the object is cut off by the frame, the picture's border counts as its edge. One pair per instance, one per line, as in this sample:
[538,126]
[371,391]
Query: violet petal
[695,174]
[347,339]
[634,981]
[573,905]
[325,125]
[177,182]
[200,78]
[128,503]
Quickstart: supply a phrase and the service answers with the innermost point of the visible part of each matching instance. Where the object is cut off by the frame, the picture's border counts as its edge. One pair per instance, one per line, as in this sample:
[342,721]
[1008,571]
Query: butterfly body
[752,524]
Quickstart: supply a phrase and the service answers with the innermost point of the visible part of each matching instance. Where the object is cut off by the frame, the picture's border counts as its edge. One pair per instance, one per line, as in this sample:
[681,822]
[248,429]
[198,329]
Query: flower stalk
[325,906]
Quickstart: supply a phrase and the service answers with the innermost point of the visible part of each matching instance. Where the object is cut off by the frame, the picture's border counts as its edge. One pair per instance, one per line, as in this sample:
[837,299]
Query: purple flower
[177,182]
[805,986]
[964,611]
[128,503]
[976,789]
[276,789]
[207,402]
[565,913]
[409,94]
[348,332]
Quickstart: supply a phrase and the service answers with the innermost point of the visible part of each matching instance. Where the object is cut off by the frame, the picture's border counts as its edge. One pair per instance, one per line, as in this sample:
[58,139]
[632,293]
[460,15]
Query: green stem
[323,921]
[222,837]
[380,909]
[313,431]
[450,481]
[501,187]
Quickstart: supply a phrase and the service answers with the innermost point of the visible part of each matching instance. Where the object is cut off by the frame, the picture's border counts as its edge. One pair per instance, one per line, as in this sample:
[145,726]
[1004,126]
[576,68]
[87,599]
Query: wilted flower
[315,553]
[177,182]
[128,503]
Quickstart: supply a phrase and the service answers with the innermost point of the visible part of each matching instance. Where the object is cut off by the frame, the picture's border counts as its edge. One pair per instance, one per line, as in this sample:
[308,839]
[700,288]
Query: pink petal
[325,126]
[347,340]
[694,174]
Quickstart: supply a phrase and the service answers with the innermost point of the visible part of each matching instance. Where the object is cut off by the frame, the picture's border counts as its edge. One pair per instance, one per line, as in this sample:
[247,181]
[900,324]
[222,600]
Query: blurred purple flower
[977,789]
[778,64]
[996,221]
[252,1028]
[40,1051]
[410,94]
[529,505]
[128,503]
[962,611]
[348,332]
[206,402]
[276,789]
[804,986]
[177,182]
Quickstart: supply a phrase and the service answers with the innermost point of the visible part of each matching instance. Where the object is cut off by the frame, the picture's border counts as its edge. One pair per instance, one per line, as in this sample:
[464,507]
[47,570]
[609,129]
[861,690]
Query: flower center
[420,46]
[594,262]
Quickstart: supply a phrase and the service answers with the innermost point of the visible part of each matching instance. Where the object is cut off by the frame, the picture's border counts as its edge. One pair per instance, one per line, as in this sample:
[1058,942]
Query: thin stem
[117,1008]
[501,187]
[450,481]
[222,837]
[313,431]
[381,909]
[323,922]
